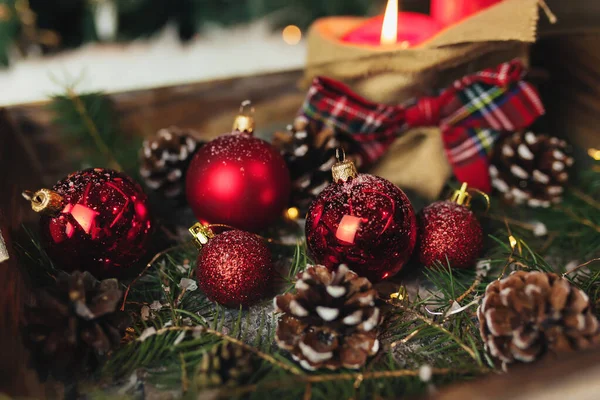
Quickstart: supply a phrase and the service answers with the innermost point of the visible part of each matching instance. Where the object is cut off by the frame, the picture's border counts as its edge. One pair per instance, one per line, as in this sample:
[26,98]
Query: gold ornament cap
[461,196]
[244,121]
[201,234]
[343,169]
[45,201]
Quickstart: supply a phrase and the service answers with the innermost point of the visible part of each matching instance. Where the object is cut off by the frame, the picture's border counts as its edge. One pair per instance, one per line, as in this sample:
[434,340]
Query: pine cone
[69,328]
[528,314]
[308,148]
[165,159]
[531,169]
[331,321]
[225,364]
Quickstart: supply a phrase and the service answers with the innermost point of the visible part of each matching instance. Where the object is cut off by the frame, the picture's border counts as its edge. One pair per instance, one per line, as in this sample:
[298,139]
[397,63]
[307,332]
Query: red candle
[413,29]
[448,12]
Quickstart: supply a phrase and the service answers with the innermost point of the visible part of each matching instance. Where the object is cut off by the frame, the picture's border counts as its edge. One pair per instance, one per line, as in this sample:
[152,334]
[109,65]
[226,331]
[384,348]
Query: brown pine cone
[308,148]
[331,321]
[531,169]
[70,327]
[529,314]
[225,364]
[164,160]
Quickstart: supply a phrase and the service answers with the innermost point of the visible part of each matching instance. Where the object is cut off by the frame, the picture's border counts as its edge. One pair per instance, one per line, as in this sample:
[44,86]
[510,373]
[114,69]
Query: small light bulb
[594,153]
[292,35]
[293,213]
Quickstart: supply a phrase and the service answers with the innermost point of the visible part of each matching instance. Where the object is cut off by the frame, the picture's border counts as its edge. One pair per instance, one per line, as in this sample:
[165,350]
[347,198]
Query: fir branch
[149,265]
[355,377]
[200,329]
[90,120]
[437,326]
[93,130]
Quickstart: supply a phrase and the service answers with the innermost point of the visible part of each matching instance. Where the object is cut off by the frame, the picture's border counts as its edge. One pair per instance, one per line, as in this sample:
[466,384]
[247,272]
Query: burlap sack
[417,161]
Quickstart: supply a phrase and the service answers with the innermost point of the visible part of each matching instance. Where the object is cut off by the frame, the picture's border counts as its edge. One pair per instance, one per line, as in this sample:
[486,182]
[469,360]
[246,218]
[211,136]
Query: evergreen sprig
[89,122]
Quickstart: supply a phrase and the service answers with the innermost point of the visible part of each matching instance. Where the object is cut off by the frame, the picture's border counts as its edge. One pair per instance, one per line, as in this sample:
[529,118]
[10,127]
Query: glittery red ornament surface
[449,231]
[104,227]
[367,223]
[234,268]
[238,180]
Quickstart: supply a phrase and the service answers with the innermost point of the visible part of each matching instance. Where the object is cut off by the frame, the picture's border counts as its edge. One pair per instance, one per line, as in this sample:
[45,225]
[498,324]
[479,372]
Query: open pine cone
[70,327]
[225,364]
[528,314]
[531,169]
[165,160]
[331,321]
[308,148]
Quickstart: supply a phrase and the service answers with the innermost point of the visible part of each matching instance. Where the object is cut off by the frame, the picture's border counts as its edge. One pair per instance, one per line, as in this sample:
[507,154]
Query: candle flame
[389,29]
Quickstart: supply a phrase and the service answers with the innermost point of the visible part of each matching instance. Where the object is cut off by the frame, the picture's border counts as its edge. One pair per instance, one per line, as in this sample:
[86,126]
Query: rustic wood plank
[573,376]
[16,379]
[207,107]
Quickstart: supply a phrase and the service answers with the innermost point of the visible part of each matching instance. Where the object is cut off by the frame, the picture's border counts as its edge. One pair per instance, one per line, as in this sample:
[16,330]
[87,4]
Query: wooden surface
[573,377]
[15,378]
[207,107]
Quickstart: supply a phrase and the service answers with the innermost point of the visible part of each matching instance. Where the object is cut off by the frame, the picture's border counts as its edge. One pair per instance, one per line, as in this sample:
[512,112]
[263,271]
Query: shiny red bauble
[366,223]
[449,233]
[104,226]
[238,180]
[234,268]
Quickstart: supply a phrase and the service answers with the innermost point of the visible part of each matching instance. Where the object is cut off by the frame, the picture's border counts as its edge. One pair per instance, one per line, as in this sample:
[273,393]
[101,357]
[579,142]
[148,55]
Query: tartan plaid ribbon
[472,114]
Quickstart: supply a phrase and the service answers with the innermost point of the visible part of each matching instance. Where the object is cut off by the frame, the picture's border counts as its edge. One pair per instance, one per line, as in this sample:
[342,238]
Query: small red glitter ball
[238,180]
[366,223]
[104,227]
[234,268]
[449,231]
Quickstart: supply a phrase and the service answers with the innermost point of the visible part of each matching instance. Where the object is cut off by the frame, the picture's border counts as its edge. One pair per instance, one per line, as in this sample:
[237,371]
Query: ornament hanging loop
[488,202]
[244,121]
[201,234]
[44,201]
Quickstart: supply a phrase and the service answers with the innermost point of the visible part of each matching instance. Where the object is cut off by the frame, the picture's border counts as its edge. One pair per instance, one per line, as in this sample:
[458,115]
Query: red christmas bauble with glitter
[102,225]
[449,233]
[238,180]
[234,268]
[365,222]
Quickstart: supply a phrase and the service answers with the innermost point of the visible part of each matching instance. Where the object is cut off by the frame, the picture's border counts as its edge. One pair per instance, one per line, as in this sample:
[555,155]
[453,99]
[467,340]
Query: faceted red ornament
[238,180]
[449,233]
[104,226]
[366,223]
[234,268]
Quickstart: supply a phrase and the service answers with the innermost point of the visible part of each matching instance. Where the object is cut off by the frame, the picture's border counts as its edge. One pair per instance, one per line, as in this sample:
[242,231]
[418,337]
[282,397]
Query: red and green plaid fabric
[472,113]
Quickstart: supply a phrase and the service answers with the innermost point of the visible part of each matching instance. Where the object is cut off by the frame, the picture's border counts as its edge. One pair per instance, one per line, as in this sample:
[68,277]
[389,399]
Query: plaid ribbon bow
[472,113]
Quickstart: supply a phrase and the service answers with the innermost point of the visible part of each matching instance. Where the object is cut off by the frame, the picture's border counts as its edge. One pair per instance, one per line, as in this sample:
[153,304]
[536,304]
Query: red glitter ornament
[448,230]
[234,267]
[96,220]
[238,180]
[363,221]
